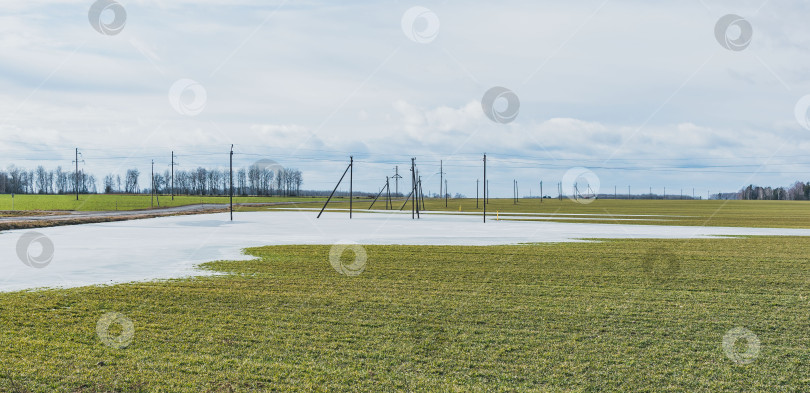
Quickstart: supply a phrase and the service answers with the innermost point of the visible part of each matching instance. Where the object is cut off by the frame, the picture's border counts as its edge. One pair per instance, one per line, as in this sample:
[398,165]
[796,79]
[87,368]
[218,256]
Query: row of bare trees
[254,180]
[16,180]
[799,191]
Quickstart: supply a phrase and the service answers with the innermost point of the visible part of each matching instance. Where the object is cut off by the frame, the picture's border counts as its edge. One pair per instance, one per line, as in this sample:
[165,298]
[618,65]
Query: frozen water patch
[171,247]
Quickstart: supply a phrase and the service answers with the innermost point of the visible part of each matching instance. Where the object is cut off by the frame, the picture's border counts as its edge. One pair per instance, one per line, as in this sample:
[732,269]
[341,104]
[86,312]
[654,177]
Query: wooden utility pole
[396,180]
[486,191]
[441,177]
[231,181]
[173,164]
[476,193]
[446,193]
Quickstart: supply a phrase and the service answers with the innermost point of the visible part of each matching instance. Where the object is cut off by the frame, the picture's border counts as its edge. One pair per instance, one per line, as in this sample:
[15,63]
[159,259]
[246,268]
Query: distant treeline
[254,180]
[799,191]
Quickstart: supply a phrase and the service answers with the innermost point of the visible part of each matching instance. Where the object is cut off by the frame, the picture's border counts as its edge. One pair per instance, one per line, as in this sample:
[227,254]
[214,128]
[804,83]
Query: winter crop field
[620,315]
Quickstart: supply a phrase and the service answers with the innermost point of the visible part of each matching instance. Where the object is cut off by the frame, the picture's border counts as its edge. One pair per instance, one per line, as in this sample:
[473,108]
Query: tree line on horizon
[799,191]
[253,180]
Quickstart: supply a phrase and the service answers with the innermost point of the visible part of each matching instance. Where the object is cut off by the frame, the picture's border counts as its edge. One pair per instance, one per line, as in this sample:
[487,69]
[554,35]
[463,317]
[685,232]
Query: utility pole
[476,193]
[77,173]
[396,179]
[173,164]
[628,193]
[351,181]
[152,188]
[486,193]
[231,175]
[441,177]
[541,191]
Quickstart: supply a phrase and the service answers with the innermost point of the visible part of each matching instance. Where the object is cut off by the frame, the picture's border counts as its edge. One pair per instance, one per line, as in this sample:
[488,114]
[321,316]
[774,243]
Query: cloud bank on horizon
[643,94]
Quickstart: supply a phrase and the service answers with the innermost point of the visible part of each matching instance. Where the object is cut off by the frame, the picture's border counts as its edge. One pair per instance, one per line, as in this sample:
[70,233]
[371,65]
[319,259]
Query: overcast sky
[641,93]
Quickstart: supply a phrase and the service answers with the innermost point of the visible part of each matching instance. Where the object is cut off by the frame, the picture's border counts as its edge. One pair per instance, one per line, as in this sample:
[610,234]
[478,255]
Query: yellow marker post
[497,215]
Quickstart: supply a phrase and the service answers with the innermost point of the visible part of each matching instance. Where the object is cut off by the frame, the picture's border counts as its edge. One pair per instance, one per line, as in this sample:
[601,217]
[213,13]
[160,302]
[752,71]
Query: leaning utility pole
[351,164]
[231,175]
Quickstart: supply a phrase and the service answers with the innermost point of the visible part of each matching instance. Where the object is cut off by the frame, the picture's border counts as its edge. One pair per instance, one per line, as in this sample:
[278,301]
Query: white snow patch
[171,247]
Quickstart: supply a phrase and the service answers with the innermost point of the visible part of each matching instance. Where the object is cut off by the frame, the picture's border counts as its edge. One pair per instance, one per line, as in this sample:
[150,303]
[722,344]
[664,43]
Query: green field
[104,202]
[785,214]
[774,214]
[621,315]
